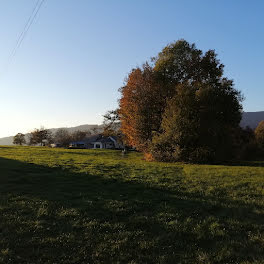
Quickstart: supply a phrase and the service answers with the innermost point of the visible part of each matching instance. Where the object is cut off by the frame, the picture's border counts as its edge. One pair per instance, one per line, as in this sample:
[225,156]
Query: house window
[97,146]
[109,145]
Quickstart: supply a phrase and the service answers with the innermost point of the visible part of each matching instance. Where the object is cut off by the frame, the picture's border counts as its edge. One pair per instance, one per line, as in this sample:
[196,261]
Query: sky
[77,53]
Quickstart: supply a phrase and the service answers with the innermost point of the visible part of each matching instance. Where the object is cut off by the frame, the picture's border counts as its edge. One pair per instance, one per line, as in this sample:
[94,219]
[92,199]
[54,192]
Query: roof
[77,142]
[91,139]
[105,140]
[94,138]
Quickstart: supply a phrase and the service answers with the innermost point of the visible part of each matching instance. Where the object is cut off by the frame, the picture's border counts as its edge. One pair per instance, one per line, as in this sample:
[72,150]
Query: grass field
[96,206]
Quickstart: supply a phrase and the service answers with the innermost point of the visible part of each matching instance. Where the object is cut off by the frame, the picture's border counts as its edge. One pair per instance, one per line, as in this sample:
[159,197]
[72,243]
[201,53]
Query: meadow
[97,206]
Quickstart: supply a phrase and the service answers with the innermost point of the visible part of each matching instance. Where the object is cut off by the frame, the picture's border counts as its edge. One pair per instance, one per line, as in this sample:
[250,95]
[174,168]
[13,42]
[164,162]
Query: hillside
[97,206]
[9,140]
[252,119]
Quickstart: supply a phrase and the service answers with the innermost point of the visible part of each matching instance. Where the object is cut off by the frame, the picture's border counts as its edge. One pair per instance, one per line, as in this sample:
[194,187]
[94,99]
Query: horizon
[68,127]
[74,57]
[51,128]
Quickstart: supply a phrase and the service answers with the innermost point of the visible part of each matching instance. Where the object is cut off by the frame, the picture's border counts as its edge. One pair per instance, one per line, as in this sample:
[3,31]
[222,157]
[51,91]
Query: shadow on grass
[247,163]
[60,216]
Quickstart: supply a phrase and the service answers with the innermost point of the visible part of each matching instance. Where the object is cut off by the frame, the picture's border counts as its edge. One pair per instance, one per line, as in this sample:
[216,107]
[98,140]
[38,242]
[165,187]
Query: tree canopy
[19,139]
[62,137]
[140,107]
[40,136]
[180,107]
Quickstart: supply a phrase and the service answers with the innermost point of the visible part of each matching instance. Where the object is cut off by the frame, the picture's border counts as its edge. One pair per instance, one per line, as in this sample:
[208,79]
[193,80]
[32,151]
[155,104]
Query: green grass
[96,206]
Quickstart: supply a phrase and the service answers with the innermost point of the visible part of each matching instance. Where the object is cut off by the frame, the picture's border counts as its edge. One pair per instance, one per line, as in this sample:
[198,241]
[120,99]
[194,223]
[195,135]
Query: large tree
[198,123]
[62,137]
[40,136]
[184,102]
[181,61]
[19,139]
[140,107]
[80,135]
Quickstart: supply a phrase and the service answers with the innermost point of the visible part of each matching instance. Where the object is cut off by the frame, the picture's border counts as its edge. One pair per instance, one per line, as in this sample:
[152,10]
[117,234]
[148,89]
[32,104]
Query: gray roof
[91,139]
[95,138]
[105,140]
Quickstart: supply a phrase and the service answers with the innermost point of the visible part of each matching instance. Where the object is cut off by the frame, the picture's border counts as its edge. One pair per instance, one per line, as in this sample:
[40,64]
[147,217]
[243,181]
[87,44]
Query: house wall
[109,145]
[97,143]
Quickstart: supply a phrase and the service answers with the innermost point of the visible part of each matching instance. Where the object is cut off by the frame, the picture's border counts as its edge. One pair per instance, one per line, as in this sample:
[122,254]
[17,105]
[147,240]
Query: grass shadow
[58,215]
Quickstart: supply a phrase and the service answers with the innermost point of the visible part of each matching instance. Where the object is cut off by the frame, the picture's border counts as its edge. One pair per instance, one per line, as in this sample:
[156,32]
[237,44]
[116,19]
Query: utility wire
[25,30]
[22,34]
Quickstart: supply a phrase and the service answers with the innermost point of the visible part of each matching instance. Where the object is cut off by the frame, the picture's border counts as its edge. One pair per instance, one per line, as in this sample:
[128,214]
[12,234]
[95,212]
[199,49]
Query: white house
[97,142]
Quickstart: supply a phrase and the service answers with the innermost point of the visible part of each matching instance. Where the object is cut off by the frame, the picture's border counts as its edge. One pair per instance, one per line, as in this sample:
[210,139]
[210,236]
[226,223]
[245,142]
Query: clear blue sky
[77,53]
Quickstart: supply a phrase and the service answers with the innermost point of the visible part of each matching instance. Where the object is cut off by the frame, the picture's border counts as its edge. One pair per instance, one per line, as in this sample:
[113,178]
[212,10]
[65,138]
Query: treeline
[44,137]
[181,107]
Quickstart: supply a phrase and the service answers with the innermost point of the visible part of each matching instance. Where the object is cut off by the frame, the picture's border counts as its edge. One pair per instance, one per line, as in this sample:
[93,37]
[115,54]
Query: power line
[25,30]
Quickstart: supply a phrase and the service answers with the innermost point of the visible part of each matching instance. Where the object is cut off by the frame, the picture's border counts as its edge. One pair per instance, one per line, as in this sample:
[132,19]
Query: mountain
[6,141]
[80,128]
[98,128]
[251,119]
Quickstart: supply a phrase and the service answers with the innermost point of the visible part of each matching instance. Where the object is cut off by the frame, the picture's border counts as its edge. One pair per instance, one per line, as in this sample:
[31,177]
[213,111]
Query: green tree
[112,125]
[62,137]
[181,62]
[40,136]
[80,135]
[111,120]
[198,122]
[19,139]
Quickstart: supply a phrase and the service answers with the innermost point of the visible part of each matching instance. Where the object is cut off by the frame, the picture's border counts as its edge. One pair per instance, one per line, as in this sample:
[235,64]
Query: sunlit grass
[97,206]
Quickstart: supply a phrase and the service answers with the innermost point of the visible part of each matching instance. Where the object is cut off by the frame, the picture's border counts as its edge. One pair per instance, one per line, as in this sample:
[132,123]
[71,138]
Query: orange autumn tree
[140,109]
[259,134]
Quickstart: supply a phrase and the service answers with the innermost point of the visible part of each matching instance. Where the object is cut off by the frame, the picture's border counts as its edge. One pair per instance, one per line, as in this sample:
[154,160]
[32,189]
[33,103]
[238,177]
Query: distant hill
[80,128]
[6,141]
[252,119]
[9,140]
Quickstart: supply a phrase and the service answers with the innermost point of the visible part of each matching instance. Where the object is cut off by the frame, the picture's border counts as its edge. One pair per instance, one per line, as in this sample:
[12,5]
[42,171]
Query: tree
[112,126]
[111,120]
[95,130]
[245,146]
[181,105]
[198,122]
[40,136]
[79,135]
[140,107]
[181,62]
[19,139]
[259,133]
[63,137]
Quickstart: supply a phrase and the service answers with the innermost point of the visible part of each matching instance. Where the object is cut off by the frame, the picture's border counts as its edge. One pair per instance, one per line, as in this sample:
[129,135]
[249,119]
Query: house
[97,142]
